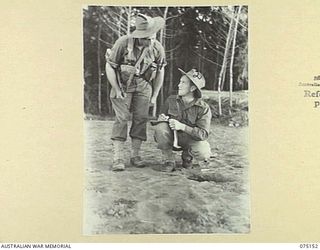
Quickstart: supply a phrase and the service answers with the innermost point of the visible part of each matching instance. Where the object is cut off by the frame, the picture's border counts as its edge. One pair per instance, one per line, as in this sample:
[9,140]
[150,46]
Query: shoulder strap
[131,58]
[143,53]
[142,56]
[130,49]
[130,52]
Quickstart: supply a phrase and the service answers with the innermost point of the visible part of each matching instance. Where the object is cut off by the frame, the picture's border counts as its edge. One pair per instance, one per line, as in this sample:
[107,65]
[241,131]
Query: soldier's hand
[153,100]
[120,95]
[163,117]
[176,125]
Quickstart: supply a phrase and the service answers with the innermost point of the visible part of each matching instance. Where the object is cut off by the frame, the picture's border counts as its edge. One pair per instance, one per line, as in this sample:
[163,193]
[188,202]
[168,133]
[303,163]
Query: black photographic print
[166,120]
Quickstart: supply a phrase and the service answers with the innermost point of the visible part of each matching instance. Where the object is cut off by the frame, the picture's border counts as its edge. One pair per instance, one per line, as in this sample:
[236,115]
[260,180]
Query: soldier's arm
[161,62]
[201,131]
[112,78]
[158,82]
[113,61]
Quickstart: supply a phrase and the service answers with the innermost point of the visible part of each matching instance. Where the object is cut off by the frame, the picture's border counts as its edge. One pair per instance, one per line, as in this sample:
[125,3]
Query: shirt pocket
[173,111]
[191,117]
[126,71]
[151,71]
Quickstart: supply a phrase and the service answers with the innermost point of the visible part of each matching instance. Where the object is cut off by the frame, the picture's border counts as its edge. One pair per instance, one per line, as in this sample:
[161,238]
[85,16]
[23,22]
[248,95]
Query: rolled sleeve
[116,56]
[161,56]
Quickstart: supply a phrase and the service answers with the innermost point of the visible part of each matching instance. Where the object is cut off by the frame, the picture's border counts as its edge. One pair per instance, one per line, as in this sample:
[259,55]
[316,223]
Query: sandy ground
[142,201]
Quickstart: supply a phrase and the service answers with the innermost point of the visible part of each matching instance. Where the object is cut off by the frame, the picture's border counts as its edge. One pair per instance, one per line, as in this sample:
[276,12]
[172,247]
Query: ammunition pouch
[151,72]
[125,72]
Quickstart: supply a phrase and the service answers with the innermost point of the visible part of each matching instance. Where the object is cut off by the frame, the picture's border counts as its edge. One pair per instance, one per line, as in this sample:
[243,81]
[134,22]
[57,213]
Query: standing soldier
[186,117]
[135,70]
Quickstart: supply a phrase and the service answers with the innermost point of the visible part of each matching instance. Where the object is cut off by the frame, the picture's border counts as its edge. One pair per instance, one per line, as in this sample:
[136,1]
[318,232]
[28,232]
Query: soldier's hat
[147,26]
[196,77]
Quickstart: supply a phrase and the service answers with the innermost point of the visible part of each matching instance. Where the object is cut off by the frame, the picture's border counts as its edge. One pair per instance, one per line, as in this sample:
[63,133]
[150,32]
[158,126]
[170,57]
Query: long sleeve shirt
[195,115]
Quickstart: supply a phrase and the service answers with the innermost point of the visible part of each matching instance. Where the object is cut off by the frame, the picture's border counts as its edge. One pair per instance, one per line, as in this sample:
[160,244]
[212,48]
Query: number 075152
[309,245]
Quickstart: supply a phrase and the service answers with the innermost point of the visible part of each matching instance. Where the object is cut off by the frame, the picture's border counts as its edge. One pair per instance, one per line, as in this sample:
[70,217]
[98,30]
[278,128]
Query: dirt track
[148,201]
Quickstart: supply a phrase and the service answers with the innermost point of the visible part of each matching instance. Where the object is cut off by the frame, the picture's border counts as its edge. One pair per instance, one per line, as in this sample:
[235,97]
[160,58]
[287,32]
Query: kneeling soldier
[190,116]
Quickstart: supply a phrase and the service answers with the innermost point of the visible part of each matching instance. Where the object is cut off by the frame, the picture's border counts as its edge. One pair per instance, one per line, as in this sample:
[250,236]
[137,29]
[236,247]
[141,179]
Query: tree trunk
[171,71]
[232,56]
[244,73]
[215,85]
[99,69]
[224,64]
[199,59]
[119,24]
[129,20]
[163,42]
[224,75]
[110,110]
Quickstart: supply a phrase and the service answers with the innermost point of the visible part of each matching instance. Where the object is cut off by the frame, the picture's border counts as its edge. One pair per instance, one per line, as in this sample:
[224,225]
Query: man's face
[148,41]
[185,86]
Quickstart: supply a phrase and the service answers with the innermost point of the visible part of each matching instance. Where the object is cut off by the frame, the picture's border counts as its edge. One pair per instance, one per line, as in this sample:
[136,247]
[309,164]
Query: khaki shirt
[196,115]
[155,56]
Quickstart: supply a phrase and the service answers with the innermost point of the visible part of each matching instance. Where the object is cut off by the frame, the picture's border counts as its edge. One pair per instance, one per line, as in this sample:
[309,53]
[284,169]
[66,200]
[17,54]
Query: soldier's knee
[163,135]
[121,111]
[123,116]
[162,128]
[140,116]
[200,150]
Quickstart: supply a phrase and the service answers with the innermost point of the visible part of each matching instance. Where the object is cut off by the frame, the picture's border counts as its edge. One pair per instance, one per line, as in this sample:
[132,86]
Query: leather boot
[169,162]
[136,160]
[186,159]
[118,162]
